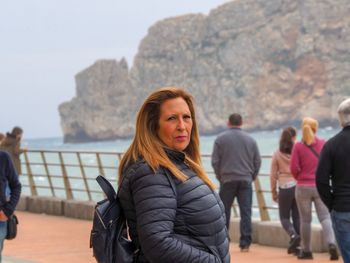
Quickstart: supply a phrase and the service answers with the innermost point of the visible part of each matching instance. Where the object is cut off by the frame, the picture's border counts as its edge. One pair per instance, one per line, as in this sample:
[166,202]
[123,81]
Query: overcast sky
[43,44]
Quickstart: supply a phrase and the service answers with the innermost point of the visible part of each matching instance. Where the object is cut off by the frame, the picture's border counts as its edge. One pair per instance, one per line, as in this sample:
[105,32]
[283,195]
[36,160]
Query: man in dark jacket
[333,180]
[236,162]
[10,190]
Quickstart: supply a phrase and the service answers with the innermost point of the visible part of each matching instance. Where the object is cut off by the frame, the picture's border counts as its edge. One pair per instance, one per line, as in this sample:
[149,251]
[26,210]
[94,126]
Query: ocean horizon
[267,142]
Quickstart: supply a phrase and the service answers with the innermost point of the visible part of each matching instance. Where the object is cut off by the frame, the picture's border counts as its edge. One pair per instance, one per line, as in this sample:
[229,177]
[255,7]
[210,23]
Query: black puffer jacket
[169,226]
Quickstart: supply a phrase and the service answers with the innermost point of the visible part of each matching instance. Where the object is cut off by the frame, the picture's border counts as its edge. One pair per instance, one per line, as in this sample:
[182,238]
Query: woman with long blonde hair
[303,166]
[172,210]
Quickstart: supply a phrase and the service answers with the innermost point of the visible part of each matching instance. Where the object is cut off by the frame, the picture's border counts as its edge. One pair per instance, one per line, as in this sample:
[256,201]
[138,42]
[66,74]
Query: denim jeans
[3,233]
[244,193]
[341,226]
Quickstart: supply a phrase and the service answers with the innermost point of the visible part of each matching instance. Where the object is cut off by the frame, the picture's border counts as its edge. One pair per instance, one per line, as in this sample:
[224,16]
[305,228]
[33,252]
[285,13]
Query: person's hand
[275,197]
[3,217]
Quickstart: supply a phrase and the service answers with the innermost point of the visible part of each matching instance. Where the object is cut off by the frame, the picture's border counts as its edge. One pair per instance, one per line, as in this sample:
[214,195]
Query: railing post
[66,182]
[99,163]
[264,213]
[47,173]
[117,174]
[30,176]
[84,176]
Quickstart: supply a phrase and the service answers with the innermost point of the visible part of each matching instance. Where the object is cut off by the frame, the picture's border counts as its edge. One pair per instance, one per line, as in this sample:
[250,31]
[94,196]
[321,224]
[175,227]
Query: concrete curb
[79,209]
[271,233]
[57,206]
[47,205]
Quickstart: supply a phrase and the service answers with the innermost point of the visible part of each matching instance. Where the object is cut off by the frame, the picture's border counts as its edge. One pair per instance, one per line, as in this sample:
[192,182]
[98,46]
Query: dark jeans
[288,208]
[341,226]
[244,193]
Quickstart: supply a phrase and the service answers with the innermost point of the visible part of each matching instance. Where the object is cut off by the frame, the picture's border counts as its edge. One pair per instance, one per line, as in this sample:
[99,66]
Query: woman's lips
[181,138]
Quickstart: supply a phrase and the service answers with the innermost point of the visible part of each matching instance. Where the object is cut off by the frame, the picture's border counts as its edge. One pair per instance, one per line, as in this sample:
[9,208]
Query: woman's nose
[181,124]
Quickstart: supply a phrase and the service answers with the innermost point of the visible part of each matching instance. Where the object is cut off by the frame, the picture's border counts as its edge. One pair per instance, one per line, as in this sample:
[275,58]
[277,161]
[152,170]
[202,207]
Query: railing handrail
[74,151]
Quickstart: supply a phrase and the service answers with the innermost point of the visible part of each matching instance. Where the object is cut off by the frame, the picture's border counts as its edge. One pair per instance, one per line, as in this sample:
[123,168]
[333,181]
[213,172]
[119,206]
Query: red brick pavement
[50,239]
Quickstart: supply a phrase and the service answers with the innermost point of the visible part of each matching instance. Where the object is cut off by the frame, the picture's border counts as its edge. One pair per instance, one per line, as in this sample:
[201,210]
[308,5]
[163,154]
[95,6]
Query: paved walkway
[49,239]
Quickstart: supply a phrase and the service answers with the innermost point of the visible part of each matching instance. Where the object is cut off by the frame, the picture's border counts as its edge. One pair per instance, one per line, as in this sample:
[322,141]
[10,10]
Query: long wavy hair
[147,144]
[286,140]
[309,128]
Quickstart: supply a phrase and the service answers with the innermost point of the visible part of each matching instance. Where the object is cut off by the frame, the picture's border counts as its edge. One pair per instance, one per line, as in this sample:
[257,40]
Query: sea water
[267,142]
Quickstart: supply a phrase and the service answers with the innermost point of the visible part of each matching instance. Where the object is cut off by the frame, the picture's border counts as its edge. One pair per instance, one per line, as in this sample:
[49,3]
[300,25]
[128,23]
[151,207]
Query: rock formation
[103,107]
[274,61]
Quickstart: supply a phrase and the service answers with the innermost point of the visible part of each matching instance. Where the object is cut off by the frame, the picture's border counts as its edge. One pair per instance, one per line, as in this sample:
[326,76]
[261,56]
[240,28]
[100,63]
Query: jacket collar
[175,155]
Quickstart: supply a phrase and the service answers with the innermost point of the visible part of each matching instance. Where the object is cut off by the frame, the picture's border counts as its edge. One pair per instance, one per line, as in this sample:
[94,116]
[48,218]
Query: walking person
[281,176]
[185,224]
[303,167]
[236,162]
[12,144]
[10,190]
[333,180]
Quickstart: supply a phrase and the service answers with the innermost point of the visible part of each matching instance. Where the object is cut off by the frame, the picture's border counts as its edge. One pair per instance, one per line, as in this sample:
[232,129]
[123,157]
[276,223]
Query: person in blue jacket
[172,210]
[10,191]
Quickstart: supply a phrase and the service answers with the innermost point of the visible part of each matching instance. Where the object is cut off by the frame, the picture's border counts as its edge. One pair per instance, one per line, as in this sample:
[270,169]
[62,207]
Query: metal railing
[71,175]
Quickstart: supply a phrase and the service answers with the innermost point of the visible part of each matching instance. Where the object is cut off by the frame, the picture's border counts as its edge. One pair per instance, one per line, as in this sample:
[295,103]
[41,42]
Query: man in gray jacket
[236,162]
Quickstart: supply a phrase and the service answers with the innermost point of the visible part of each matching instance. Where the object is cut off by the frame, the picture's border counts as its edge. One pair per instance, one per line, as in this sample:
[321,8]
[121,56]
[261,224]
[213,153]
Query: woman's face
[175,124]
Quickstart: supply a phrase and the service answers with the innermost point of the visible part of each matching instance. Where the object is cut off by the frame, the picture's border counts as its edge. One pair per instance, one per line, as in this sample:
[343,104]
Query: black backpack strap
[313,150]
[106,187]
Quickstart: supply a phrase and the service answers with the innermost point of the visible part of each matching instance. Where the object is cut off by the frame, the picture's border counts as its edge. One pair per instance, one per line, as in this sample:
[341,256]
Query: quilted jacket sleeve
[155,205]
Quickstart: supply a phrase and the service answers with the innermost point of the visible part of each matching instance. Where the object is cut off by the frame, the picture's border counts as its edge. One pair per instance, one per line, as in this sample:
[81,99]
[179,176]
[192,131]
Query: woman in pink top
[303,166]
[285,196]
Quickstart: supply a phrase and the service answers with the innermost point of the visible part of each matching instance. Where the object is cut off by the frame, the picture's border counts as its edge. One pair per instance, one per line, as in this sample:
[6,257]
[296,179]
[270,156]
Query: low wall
[57,206]
[271,233]
[267,233]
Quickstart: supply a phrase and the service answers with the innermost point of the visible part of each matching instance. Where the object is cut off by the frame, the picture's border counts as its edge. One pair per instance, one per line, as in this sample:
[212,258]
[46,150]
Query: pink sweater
[280,172]
[303,162]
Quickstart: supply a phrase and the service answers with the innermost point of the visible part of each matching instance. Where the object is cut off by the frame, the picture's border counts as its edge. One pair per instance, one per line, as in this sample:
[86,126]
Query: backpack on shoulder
[108,238]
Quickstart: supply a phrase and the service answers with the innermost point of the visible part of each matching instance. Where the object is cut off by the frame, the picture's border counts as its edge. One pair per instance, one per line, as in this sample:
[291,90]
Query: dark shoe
[333,252]
[245,249]
[297,251]
[293,244]
[305,255]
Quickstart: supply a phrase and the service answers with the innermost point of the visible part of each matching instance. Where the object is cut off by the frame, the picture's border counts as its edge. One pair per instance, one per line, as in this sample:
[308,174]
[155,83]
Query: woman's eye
[187,117]
[171,118]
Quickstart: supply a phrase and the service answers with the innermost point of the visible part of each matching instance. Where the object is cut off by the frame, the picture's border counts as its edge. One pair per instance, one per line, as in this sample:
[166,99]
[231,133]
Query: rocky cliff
[274,61]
